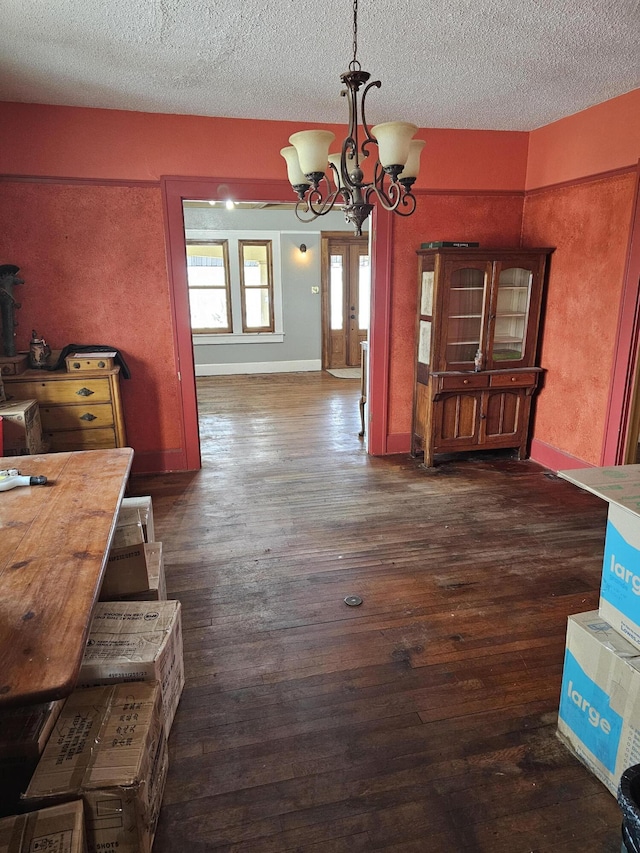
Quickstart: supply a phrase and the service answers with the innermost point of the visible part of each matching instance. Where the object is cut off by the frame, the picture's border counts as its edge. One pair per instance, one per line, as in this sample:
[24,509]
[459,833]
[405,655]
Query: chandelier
[394,172]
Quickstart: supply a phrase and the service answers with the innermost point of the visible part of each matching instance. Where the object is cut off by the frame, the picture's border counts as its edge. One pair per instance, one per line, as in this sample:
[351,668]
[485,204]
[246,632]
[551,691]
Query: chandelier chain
[354,64]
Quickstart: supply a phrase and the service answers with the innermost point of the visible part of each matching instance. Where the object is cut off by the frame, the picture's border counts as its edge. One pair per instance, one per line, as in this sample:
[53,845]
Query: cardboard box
[21,427]
[128,529]
[24,731]
[126,572]
[599,715]
[134,641]
[109,749]
[145,510]
[131,580]
[619,603]
[155,570]
[23,735]
[58,829]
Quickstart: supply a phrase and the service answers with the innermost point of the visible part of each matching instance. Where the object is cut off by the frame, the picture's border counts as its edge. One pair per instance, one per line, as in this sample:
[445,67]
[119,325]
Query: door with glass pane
[346,293]
[464,312]
[509,344]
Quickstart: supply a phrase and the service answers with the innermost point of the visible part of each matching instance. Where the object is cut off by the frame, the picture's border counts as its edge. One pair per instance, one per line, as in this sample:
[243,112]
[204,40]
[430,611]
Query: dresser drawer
[81,439]
[76,417]
[514,380]
[62,391]
[462,382]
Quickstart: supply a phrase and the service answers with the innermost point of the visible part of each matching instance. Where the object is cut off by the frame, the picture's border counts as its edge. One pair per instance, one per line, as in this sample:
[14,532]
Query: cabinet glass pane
[424,342]
[512,307]
[464,323]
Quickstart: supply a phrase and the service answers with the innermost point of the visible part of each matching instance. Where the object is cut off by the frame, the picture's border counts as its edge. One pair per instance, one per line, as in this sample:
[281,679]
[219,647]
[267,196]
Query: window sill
[255,338]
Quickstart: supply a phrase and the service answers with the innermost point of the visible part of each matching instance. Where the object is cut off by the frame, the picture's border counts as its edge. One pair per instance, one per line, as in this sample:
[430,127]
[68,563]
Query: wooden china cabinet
[476,342]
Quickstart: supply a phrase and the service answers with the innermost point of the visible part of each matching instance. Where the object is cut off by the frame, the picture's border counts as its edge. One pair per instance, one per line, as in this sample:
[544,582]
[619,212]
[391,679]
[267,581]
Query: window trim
[228,329]
[201,235]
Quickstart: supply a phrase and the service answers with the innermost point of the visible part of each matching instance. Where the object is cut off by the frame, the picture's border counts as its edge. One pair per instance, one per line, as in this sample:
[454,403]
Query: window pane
[208,309]
[209,295]
[336,292]
[257,308]
[364,292]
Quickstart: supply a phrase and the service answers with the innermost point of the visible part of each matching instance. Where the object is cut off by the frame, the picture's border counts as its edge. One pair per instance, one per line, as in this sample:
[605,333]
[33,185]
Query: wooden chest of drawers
[79,411]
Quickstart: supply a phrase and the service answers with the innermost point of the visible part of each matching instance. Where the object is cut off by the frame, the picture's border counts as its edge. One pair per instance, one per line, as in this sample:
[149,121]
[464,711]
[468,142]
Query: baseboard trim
[158,461]
[398,442]
[555,459]
[258,367]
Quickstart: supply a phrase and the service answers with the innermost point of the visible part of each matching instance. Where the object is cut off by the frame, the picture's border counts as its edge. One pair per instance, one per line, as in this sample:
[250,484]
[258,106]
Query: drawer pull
[514,378]
[85,392]
[88,417]
[465,381]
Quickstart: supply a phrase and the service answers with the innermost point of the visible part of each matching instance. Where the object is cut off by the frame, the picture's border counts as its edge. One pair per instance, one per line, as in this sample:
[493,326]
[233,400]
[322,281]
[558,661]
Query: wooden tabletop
[54,541]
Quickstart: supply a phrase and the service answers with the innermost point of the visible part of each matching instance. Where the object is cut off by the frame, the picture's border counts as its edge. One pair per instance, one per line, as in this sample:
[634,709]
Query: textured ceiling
[493,64]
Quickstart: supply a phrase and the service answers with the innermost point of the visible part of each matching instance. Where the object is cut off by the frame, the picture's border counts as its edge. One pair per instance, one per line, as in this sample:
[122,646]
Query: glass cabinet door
[464,317]
[513,292]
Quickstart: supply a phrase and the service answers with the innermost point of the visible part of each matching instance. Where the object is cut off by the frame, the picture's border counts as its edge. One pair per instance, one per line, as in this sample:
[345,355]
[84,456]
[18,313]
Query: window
[209,286]
[235,284]
[256,285]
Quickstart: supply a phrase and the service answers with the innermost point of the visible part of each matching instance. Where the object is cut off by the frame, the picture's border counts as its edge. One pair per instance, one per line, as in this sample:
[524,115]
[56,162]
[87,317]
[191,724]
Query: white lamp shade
[313,149]
[294,172]
[412,166]
[393,138]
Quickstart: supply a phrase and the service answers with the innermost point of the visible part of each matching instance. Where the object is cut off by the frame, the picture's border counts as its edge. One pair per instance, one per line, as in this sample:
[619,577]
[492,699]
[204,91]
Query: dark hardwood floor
[422,721]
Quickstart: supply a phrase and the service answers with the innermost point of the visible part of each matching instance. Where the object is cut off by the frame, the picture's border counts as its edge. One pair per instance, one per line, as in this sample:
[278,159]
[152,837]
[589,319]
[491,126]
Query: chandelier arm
[369,139]
[389,198]
[407,200]
[315,205]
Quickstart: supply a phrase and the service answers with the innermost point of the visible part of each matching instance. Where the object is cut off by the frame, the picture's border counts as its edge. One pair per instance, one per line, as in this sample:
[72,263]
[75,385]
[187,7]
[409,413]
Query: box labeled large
[620,587]
[109,749]
[57,829]
[599,714]
[134,641]
[21,428]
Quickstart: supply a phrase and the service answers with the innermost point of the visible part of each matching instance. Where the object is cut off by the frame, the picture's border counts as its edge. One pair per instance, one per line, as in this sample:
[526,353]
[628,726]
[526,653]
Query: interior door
[346,298]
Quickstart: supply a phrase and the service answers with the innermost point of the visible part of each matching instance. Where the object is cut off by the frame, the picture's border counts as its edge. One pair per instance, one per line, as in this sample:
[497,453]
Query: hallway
[422,721]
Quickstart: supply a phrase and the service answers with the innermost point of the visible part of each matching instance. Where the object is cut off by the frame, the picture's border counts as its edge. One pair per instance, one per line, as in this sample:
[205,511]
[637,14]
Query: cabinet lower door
[504,418]
[456,419]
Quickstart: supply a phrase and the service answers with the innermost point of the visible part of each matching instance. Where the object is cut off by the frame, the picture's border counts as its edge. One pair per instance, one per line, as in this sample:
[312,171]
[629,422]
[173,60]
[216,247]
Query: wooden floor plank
[423,720]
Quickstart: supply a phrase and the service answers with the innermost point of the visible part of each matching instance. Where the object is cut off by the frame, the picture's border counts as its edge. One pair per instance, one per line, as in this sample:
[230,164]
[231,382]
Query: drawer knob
[88,417]
[514,378]
[465,381]
[85,392]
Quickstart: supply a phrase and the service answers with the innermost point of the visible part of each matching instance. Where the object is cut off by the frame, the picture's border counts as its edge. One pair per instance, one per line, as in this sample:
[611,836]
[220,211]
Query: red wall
[91,244]
[602,138]
[588,223]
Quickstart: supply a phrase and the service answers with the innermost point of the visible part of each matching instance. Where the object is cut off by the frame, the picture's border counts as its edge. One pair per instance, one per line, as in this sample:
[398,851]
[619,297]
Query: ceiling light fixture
[394,173]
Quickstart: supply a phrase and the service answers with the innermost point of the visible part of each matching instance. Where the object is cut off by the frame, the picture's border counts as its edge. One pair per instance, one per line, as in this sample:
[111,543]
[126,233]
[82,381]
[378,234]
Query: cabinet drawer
[62,391]
[76,417]
[82,439]
[513,380]
[463,382]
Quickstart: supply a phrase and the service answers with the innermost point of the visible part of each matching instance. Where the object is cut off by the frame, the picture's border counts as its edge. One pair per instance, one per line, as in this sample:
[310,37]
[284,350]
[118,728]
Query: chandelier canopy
[394,172]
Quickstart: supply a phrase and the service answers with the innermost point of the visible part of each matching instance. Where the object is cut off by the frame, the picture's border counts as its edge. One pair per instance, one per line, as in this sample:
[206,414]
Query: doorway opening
[273,193]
